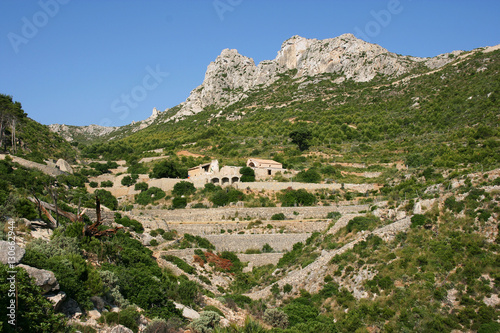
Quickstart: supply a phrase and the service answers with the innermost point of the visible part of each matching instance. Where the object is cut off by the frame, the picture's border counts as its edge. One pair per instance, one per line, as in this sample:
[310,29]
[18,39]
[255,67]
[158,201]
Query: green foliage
[149,196]
[278,216]
[179,202]
[129,180]
[168,169]
[183,188]
[308,176]
[248,174]
[418,220]
[452,204]
[180,263]
[206,322]
[300,197]
[301,138]
[107,183]
[129,223]
[222,197]
[34,313]
[141,186]
[107,199]
[93,184]
[276,318]
[300,312]
[360,223]
[196,241]
[266,248]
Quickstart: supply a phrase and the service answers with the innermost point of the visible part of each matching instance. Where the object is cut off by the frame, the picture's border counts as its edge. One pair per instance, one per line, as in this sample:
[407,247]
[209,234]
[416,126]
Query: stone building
[210,173]
[264,168]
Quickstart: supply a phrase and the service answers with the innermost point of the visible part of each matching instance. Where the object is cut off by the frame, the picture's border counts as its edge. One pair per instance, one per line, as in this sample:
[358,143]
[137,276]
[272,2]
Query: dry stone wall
[241,243]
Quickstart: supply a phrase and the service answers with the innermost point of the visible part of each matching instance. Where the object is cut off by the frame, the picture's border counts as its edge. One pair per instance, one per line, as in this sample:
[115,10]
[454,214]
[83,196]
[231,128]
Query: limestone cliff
[232,75]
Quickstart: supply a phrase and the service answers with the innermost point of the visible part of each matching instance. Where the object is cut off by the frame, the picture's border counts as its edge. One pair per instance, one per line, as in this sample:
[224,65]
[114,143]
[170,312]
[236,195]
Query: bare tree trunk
[13,130]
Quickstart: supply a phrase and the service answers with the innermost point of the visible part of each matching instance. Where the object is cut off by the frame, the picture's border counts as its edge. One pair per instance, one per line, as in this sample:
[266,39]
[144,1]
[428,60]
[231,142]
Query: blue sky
[75,61]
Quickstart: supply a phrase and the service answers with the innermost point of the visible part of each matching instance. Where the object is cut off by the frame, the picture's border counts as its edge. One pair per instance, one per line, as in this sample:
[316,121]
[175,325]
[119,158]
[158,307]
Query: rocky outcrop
[231,76]
[56,299]
[69,132]
[43,278]
[64,166]
[11,253]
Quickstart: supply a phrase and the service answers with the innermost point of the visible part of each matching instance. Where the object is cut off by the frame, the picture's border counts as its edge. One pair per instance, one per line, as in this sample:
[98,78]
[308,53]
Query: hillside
[449,113]
[381,215]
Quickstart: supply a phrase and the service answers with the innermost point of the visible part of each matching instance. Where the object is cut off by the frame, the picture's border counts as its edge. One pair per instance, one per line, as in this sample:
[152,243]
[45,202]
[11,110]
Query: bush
[141,186]
[179,202]
[309,176]
[129,180]
[206,322]
[453,205]
[248,174]
[149,196]
[418,220]
[180,263]
[267,248]
[107,199]
[278,216]
[93,184]
[107,183]
[360,223]
[301,197]
[127,222]
[168,169]
[276,318]
[153,242]
[183,188]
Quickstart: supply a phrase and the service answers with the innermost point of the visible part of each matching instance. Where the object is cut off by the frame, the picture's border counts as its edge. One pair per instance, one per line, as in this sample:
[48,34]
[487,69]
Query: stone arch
[215,180]
[235,180]
[251,165]
[225,180]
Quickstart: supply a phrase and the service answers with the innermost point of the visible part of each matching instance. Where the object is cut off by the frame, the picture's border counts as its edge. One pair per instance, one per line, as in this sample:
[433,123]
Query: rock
[98,302]
[187,312]
[120,329]
[11,254]
[94,314]
[43,278]
[64,166]
[417,209]
[57,299]
[71,308]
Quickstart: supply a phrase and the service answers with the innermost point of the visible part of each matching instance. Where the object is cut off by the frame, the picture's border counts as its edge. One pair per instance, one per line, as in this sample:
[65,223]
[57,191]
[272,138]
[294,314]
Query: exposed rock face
[43,278]
[64,166]
[68,132]
[11,254]
[232,75]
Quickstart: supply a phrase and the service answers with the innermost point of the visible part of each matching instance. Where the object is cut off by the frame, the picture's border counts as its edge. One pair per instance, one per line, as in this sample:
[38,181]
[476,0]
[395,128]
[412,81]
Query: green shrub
[127,222]
[180,263]
[291,198]
[153,242]
[107,199]
[266,248]
[141,186]
[183,188]
[206,322]
[93,184]
[418,220]
[107,183]
[248,174]
[360,223]
[179,202]
[309,176]
[214,309]
[276,318]
[149,196]
[278,216]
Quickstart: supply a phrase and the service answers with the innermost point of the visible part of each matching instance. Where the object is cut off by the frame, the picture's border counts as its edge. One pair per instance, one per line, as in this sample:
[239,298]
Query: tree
[301,138]
[168,169]
[248,174]
[183,188]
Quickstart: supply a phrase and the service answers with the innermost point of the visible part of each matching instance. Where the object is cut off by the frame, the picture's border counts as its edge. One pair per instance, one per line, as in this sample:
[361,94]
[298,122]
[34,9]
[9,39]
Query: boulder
[71,309]
[43,278]
[57,299]
[10,254]
[94,314]
[120,329]
[64,166]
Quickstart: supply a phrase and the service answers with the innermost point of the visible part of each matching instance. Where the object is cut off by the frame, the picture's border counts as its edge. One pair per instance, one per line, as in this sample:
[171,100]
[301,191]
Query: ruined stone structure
[210,173]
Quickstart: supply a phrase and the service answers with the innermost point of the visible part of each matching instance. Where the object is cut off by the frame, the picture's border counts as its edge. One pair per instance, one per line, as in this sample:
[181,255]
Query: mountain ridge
[232,76]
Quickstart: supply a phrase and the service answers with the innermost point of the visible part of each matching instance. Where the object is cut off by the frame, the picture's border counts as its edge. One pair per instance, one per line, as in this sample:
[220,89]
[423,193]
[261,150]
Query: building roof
[263,161]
